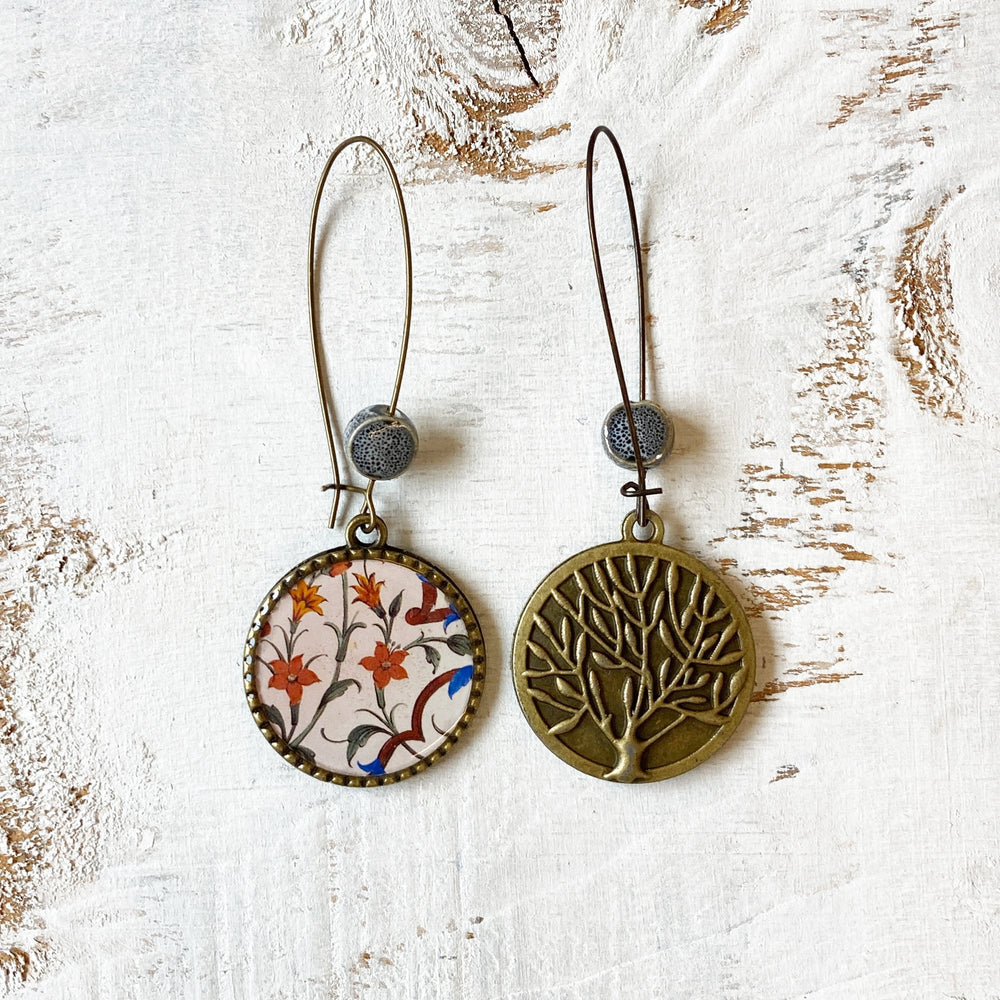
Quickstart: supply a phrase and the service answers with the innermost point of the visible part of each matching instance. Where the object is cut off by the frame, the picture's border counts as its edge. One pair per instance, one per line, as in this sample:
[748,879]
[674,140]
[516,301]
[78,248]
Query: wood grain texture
[723,16]
[818,197]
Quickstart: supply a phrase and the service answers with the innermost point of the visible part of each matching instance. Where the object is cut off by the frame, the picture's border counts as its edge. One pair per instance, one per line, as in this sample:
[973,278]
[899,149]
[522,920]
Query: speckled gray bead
[654,428]
[381,445]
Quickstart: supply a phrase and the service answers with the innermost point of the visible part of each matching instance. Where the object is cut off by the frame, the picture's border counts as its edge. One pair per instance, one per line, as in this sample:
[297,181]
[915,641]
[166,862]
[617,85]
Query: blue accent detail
[423,579]
[454,616]
[373,768]
[463,677]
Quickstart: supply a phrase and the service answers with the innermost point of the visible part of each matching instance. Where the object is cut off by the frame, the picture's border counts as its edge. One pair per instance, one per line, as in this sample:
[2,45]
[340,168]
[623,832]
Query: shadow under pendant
[633,661]
[363,665]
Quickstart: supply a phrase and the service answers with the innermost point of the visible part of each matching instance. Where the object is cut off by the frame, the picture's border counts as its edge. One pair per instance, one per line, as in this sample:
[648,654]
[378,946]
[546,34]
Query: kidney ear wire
[371,426]
[637,456]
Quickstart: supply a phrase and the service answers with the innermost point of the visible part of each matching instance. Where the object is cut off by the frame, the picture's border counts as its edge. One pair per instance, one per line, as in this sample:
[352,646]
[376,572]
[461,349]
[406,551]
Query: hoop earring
[632,660]
[364,663]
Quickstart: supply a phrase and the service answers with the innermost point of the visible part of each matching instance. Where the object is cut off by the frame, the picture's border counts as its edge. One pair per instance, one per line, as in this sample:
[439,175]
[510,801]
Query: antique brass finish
[386,442]
[360,523]
[322,562]
[319,364]
[633,661]
[639,490]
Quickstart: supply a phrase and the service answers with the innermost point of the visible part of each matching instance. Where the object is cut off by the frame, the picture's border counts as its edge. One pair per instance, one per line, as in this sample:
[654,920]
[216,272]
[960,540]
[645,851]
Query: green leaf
[359,736]
[433,656]
[306,754]
[337,689]
[397,603]
[460,644]
[274,717]
[342,644]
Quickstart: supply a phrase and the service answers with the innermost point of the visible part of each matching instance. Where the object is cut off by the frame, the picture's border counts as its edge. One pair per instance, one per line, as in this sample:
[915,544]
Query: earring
[364,663]
[633,661]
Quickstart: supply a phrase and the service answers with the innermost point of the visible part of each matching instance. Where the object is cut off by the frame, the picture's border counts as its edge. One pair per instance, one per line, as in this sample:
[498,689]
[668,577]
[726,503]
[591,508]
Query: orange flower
[368,590]
[291,678]
[385,666]
[337,568]
[305,598]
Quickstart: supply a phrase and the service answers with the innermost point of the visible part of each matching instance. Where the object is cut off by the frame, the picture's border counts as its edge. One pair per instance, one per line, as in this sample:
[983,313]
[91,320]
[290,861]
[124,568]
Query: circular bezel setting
[377,672]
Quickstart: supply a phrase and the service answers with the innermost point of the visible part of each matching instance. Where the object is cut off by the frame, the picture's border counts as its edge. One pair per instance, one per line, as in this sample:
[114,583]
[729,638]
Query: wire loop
[638,489]
[322,383]
[358,524]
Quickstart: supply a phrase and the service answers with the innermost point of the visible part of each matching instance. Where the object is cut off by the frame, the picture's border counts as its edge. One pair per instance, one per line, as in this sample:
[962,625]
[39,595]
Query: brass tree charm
[633,661]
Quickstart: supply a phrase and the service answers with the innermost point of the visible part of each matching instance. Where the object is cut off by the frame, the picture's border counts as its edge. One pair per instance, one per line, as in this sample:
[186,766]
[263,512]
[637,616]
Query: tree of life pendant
[363,665]
[633,661]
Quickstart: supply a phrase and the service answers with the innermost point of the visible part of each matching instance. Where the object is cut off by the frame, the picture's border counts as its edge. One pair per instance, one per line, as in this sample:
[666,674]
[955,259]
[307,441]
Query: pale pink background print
[370,703]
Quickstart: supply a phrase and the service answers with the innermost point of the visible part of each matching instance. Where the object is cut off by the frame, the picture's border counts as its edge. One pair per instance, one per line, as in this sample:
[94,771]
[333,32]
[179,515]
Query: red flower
[337,568]
[385,666]
[291,678]
[265,630]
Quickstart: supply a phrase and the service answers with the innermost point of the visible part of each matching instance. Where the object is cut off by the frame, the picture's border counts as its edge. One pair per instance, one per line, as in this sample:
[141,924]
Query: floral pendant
[633,661]
[363,665]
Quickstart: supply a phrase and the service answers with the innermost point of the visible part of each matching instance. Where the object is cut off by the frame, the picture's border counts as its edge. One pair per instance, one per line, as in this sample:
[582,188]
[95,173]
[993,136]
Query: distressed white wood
[818,185]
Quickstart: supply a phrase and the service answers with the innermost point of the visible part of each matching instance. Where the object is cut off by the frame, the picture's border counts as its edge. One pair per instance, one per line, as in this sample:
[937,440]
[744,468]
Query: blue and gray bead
[380,444]
[653,426]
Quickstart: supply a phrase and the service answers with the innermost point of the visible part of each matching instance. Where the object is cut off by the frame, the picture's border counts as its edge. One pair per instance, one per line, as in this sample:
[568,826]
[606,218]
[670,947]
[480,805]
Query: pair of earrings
[632,660]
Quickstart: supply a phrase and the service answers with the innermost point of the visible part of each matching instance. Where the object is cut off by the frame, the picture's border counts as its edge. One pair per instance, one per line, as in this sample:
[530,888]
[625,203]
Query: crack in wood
[517,43]
[445,77]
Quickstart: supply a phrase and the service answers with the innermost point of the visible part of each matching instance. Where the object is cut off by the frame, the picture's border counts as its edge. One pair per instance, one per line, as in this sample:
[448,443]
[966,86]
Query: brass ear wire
[638,489]
[319,364]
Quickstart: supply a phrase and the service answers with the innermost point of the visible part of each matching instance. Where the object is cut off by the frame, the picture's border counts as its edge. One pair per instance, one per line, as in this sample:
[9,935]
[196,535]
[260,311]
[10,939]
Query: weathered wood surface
[818,188]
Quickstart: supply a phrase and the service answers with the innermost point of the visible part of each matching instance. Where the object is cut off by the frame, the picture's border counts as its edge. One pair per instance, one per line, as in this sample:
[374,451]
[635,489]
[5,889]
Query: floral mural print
[364,664]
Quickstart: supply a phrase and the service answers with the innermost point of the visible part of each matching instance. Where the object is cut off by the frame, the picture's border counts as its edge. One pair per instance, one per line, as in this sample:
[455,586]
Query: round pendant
[633,661]
[363,664]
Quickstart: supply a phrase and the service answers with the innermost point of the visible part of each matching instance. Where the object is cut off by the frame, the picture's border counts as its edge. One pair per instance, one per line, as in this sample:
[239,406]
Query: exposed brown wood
[785,771]
[805,675]
[928,345]
[724,14]
[46,816]
[896,82]
[460,83]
